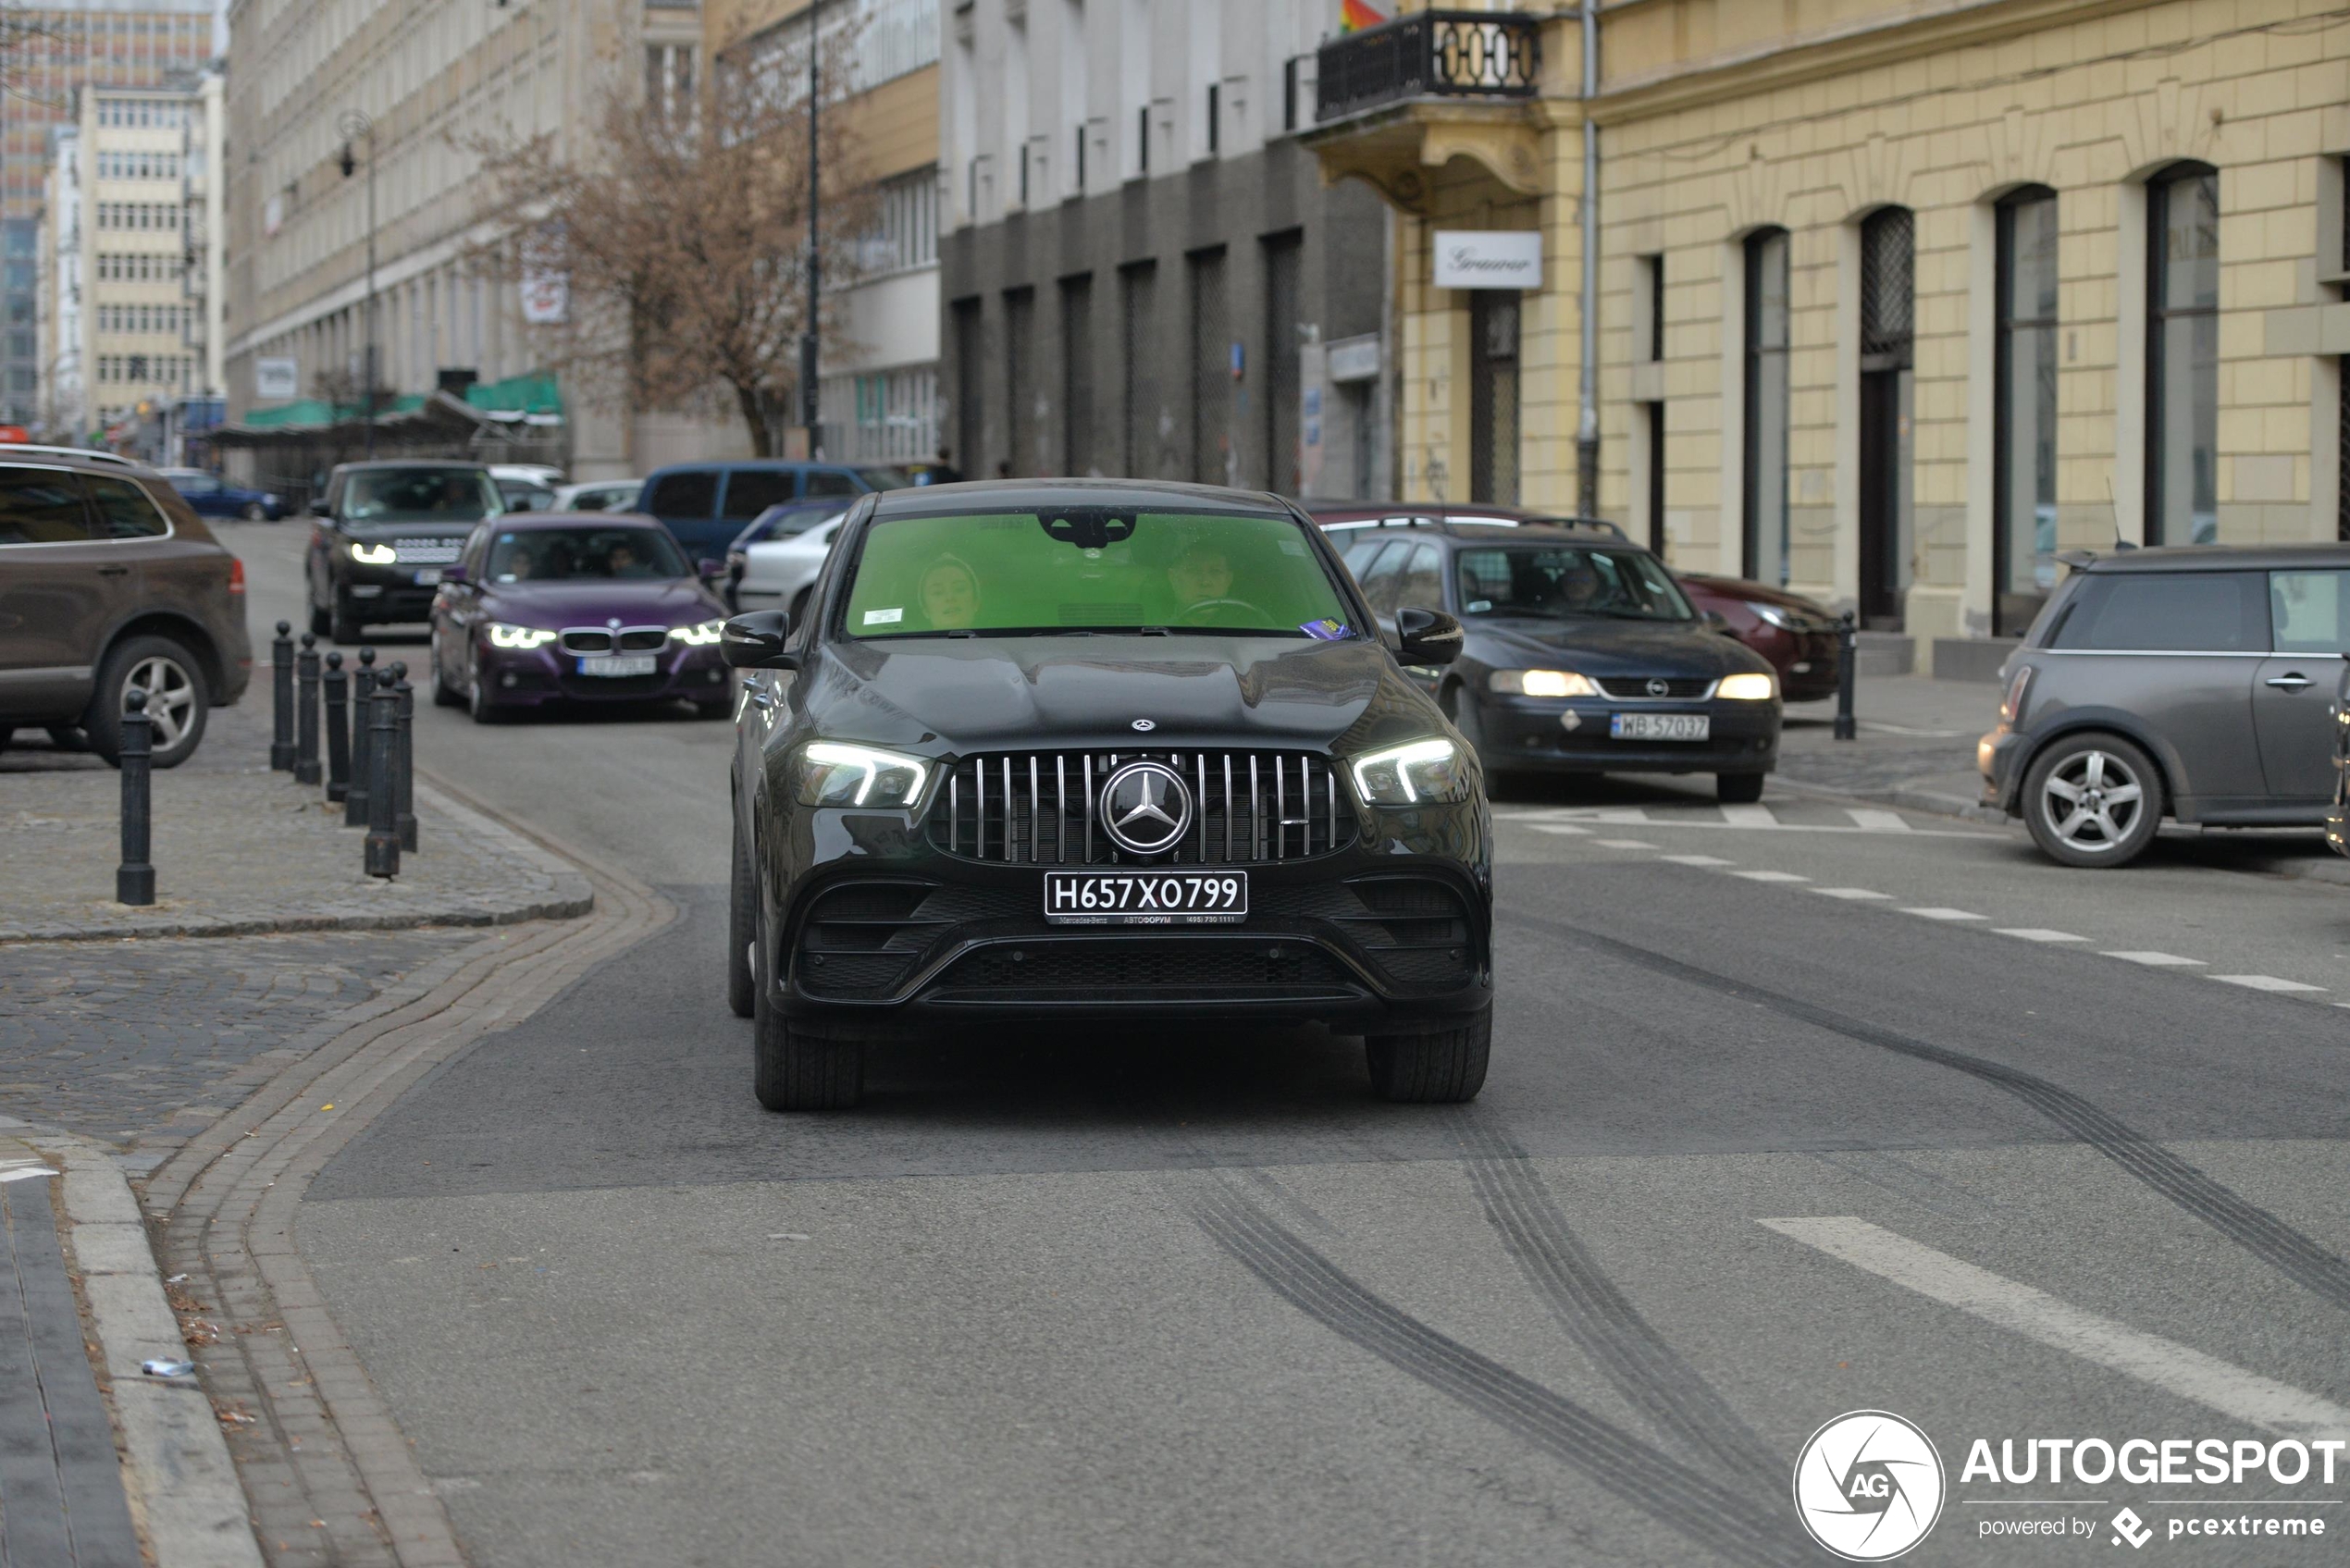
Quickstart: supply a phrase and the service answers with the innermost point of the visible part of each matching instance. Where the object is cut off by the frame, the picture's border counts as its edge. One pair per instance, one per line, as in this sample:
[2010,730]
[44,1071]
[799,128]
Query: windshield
[1554,580]
[887,477]
[575,554]
[419,495]
[1095,569]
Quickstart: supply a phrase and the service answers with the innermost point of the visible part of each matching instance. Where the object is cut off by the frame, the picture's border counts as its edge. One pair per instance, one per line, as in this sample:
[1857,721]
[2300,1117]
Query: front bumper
[1999,756]
[1570,735]
[379,595]
[527,677]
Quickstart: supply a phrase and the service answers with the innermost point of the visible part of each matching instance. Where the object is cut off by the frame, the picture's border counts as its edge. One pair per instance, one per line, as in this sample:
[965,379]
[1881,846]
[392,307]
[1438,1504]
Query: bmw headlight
[1772,615]
[502,635]
[1423,771]
[704,635]
[1541,683]
[1749,686]
[835,774]
[374,555]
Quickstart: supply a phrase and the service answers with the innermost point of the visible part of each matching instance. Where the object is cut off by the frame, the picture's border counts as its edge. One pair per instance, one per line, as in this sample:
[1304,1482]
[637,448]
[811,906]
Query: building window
[1655,413]
[905,231]
[1888,329]
[1493,396]
[1019,381]
[2023,429]
[2183,355]
[1215,118]
[1077,375]
[1138,291]
[1214,371]
[1764,487]
[1285,366]
[669,80]
[1651,308]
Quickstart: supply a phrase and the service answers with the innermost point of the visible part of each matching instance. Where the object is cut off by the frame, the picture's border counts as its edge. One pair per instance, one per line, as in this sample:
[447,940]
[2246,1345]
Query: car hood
[961,696]
[1609,647]
[1753,592]
[670,603]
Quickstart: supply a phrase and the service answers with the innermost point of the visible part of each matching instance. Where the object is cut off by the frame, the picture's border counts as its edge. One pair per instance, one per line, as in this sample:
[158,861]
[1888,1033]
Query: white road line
[1749,817]
[1849,893]
[1697,861]
[1877,819]
[2264,983]
[2158,960]
[2165,1363]
[2037,934]
[1623,844]
[1562,829]
[1769,876]
[1937,912]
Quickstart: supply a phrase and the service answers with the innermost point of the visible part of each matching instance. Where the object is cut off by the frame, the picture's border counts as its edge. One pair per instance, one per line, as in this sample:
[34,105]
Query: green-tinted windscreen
[1095,569]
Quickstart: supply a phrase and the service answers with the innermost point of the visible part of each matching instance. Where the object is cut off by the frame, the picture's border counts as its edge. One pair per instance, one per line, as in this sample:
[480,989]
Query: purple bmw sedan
[551,607]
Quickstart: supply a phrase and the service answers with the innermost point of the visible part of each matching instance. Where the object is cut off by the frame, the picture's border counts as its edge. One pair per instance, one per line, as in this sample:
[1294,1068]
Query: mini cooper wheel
[2092,800]
[792,1069]
[741,912]
[1442,1069]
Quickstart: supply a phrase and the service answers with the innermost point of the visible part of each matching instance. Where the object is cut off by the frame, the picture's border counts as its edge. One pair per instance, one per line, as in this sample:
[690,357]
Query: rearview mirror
[1427,637]
[756,641]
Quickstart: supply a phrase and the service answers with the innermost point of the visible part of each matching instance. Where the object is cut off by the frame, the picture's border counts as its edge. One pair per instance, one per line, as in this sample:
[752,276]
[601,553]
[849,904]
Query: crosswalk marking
[1732,819]
[2156,960]
[2037,934]
[1876,820]
[1939,912]
[1749,817]
[2165,1363]
[1562,828]
[2264,983]
[1623,844]
[1699,861]
[1854,892]
[1769,876]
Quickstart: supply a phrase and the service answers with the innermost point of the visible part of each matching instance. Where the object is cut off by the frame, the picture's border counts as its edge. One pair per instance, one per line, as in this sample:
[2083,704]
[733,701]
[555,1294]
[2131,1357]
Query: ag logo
[1868,1485]
[1146,808]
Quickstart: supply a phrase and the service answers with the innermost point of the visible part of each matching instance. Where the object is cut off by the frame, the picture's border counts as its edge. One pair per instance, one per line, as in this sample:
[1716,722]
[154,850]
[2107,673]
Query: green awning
[534,394]
[315,413]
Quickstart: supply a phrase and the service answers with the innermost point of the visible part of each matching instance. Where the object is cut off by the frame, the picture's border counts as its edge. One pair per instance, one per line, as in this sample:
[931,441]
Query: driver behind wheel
[1200,577]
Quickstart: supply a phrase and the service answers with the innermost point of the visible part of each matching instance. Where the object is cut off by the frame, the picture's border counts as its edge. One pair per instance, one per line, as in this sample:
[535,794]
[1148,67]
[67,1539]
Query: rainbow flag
[1354,16]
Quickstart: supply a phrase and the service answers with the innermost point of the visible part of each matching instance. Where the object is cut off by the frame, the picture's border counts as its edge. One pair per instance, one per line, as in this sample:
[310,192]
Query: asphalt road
[1794,1111]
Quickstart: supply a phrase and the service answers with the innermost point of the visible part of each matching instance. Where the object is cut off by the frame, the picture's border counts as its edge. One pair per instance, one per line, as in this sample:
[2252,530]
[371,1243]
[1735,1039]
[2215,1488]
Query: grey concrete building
[1143,273]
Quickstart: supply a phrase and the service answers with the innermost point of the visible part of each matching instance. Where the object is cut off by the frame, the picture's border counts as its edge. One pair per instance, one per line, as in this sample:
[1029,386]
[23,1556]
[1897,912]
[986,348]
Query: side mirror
[1717,621]
[1427,637]
[707,568]
[756,641]
[455,573]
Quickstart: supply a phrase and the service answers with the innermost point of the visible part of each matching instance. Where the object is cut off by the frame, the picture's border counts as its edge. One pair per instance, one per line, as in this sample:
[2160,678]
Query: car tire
[178,699]
[7,733]
[2089,763]
[477,701]
[321,624]
[257,513]
[793,1069]
[343,626]
[68,737]
[1442,1068]
[1737,789]
[741,912]
[442,695]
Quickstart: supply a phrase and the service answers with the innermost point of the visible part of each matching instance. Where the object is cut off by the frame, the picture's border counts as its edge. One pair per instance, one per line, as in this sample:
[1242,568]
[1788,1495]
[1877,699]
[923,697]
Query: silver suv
[2195,682]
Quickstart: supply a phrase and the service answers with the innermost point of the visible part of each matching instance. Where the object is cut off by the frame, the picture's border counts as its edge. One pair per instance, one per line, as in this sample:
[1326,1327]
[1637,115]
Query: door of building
[1888,270]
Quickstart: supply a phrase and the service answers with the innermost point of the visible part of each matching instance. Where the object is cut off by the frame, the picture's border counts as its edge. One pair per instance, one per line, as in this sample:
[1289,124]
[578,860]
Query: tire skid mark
[1603,1321]
[2289,1252]
[1723,1520]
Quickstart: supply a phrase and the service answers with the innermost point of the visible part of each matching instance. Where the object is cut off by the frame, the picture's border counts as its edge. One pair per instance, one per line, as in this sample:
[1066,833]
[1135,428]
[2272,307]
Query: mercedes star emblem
[1659,689]
[1146,808]
[1145,725]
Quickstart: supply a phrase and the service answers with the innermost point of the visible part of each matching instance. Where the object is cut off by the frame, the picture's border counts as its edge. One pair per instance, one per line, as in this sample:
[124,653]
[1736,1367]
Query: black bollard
[363,687]
[282,698]
[403,765]
[306,711]
[383,738]
[337,687]
[1848,672]
[134,880]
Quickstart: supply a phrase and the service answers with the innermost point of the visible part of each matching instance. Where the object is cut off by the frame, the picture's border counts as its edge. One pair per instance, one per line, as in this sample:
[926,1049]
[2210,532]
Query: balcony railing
[1427,53]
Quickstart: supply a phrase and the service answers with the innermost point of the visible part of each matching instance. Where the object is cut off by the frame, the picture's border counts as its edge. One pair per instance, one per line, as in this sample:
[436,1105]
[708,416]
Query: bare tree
[683,242]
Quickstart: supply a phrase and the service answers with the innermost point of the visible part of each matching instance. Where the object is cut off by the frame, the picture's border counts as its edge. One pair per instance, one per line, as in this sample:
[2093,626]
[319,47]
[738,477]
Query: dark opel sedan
[1106,751]
[1581,656]
[549,607]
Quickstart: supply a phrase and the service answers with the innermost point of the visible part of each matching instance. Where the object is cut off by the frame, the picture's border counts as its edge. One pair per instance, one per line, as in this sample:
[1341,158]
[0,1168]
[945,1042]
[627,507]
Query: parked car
[598,495]
[526,486]
[707,504]
[1353,514]
[1796,634]
[2338,814]
[2194,682]
[549,607]
[772,563]
[109,582]
[1582,655]
[381,535]
[208,495]
[1100,752]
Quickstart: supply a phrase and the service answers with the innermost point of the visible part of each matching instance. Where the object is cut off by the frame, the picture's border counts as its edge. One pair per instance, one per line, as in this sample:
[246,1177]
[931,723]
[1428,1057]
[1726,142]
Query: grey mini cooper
[2196,683]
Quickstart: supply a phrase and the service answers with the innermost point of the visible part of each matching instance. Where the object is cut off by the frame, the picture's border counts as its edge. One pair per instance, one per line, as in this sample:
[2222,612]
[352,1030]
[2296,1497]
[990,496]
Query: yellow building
[1893,298]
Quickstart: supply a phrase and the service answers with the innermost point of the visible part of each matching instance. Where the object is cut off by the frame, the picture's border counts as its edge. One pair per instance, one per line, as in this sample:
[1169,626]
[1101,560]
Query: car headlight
[374,555]
[1749,686]
[704,635]
[1772,615]
[835,774]
[502,635]
[1409,775]
[1541,683]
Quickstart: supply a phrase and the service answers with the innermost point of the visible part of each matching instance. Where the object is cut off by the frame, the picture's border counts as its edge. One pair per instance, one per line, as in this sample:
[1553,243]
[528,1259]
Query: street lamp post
[808,339]
[355,124]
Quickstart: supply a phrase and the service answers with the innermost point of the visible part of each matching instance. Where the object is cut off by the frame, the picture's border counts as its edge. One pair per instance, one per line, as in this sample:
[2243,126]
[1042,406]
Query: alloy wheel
[171,697]
[2092,800]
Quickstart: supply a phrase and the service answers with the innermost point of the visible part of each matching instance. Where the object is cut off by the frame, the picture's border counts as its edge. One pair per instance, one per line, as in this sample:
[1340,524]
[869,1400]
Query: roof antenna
[2120,544]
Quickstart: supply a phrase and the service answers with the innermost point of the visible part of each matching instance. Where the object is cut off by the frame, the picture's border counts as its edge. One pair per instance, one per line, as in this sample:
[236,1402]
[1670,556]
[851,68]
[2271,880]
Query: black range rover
[1103,750]
[380,534]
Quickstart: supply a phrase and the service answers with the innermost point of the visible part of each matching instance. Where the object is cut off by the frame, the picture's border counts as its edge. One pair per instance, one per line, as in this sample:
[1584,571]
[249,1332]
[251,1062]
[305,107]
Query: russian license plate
[1660,726]
[428,576]
[1145,899]
[616,664]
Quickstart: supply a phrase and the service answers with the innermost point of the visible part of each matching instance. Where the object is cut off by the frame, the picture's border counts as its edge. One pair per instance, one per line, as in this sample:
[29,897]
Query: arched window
[2183,355]
[1888,332]
[1763,489]
[2024,428]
